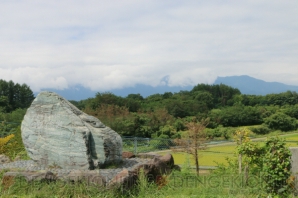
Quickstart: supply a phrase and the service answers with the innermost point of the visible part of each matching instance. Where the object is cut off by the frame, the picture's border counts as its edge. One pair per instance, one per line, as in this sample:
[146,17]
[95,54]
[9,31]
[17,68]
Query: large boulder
[56,133]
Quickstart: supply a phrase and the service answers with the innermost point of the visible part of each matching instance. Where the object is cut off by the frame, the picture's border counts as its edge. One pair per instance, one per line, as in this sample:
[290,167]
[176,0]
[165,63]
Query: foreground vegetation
[178,184]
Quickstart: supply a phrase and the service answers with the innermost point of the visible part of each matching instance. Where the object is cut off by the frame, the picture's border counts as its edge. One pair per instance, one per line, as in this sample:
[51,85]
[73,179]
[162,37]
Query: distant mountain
[246,84]
[253,86]
[79,92]
[74,93]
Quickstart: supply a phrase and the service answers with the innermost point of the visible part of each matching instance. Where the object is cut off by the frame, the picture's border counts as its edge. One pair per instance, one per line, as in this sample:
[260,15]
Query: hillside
[253,86]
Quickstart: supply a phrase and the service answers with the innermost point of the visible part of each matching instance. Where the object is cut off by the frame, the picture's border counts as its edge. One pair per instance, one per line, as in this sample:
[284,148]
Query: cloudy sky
[105,45]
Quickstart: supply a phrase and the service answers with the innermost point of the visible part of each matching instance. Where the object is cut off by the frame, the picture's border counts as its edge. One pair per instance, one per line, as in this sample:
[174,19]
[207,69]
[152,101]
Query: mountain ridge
[253,86]
[246,84]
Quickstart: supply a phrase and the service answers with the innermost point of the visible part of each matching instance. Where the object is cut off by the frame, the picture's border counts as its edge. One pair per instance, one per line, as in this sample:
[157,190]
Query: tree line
[14,96]
[166,115]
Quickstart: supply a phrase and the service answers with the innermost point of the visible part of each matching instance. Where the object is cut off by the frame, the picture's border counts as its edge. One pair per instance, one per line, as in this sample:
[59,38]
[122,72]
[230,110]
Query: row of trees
[167,115]
[14,96]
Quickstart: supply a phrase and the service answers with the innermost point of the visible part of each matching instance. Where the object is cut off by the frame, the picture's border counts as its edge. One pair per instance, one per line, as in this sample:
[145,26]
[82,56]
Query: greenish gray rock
[56,133]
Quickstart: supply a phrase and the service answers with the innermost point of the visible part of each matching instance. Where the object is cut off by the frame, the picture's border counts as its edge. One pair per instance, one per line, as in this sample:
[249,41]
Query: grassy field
[218,154]
[209,157]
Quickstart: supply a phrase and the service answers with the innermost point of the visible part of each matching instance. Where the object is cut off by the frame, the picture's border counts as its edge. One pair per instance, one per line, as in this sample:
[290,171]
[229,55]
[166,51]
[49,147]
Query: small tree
[274,161]
[277,167]
[194,140]
[241,137]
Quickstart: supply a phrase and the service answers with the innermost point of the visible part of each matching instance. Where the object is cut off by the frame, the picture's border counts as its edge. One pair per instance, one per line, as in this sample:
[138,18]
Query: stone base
[125,177]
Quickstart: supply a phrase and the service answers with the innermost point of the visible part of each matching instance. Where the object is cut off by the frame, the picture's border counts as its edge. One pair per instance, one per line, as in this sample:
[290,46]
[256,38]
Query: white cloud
[105,45]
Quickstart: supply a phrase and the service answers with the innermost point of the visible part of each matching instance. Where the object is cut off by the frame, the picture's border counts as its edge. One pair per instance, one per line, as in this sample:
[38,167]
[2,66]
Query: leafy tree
[113,116]
[179,125]
[237,115]
[154,98]
[79,104]
[281,121]
[241,137]
[135,97]
[291,110]
[167,131]
[205,99]
[132,105]
[221,93]
[107,98]
[167,95]
[285,98]
[177,109]
[4,105]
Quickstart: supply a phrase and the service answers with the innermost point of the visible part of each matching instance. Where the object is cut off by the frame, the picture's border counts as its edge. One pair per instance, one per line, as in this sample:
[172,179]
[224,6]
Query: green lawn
[207,157]
[218,154]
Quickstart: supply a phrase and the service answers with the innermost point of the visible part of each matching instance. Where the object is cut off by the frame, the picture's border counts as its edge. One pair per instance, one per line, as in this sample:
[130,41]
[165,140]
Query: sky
[105,45]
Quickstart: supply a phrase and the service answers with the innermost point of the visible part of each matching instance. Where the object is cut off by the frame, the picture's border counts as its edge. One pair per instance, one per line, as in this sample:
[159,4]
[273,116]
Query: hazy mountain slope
[246,84]
[79,92]
[250,85]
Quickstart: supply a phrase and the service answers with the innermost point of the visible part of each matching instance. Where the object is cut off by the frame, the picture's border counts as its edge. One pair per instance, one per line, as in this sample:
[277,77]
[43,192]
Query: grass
[218,154]
[176,185]
[292,137]
[210,157]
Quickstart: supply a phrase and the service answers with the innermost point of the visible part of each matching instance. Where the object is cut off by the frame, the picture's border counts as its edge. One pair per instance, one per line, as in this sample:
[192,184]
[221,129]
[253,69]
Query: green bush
[260,130]
[277,167]
[15,146]
[281,121]
[220,131]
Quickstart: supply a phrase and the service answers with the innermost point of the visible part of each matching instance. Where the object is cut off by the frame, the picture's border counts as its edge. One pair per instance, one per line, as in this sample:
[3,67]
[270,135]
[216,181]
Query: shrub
[162,143]
[277,167]
[4,141]
[15,146]
[219,131]
[7,128]
[281,121]
[260,130]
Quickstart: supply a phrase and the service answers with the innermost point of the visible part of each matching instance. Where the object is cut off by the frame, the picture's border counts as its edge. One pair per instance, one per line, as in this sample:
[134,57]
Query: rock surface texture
[56,133]
[125,176]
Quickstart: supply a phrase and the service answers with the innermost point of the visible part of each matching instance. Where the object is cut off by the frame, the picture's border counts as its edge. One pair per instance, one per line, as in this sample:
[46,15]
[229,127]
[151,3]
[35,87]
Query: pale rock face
[56,133]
